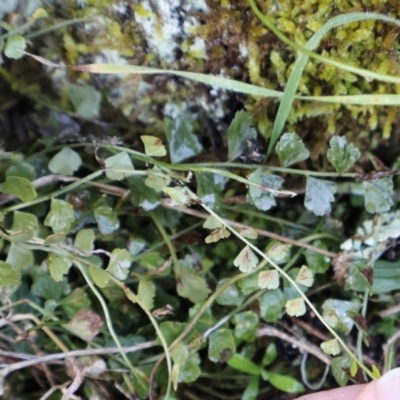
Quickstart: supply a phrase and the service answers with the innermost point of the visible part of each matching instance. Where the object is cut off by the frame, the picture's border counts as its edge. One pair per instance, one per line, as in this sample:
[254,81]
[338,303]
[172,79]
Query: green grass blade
[295,76]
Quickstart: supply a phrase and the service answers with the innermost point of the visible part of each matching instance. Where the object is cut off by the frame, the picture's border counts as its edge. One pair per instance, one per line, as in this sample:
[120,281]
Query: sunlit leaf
[119,263]
[106,218]
[378,195]
[305,276]
[249,233]
[279,252]
[331,347]
[183,143]
[217,234]
[60,216]
[375,371]
[353,369]
[118,166]
[221,345]
[319,196]
[295,307]
[342,155]
[156,182]
[8,275]
[238,133]
[19,187]
[39,14]
[246,260]
[146,293]
[85,99]
[262,198]
[15,46]
[268,279]
[99,276]
[178,195]
[65,162]
[24,226]
[84,240]
[212,223]
[153,146]
[189,283]
[58,266]
[246,325]
[291,149]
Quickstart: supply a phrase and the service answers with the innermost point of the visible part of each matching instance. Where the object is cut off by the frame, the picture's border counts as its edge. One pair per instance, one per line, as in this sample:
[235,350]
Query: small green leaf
[119,263]
[353,369]
[60,216]
[49,307]
[106,218]
[65,162]
[278,252]
[208,188]
[246,325]
[8,275]
[249,233]
[252,389]
[156,182]
[319,195]
[39,14]
[331,347]
[217,234]
[336,313]
[243,364]
[246,260]
[74,302]
[212,223]
[22,170]
[285,383]
[189,283]
[19,187]
[271,305]
[342,155]
[291,149]
[375,372]
[85,324]
[221,345]
[85,99]
[142,195]
[317,262]
[45,286]
[340,367]
[262,198]
[84,240]
[19,257]
[119,166]
[153,146]
[178,195]
[378,195]
[58,265]
[183,143]
[146,293]
[295,307]
[99,276]
[24,227]
[305,276]
[268,279]
[230,296]
[271,353]
[239,132]
[15,46]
